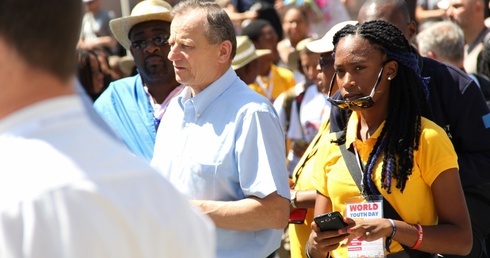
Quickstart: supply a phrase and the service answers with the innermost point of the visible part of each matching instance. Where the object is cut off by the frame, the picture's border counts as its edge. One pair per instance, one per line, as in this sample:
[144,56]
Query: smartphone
[330,221]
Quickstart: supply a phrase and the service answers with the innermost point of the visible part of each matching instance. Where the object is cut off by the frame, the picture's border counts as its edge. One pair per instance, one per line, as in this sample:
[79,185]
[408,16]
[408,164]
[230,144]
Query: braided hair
[400,135]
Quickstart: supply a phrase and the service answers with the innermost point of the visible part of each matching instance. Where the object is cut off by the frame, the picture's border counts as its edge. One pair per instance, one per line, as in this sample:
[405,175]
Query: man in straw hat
[133,106]
[245,61]
[68,190]
[219,142]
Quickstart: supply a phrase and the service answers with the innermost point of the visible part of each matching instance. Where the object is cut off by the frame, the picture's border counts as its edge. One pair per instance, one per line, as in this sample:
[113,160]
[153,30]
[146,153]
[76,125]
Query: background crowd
[293,21]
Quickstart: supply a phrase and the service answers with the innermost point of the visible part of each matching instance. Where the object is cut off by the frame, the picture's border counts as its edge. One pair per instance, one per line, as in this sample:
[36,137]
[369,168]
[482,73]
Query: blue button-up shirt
[125,106]
[226,144]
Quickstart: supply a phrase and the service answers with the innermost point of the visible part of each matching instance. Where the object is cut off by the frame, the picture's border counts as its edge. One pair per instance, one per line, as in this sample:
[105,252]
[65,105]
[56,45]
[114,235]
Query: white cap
[325,44]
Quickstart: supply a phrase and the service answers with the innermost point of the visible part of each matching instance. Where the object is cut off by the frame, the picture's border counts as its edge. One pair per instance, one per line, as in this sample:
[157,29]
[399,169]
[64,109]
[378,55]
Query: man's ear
[225,52]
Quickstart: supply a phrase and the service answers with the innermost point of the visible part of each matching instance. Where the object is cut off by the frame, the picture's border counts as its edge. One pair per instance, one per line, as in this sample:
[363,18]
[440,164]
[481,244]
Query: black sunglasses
[362,102]
[143,43]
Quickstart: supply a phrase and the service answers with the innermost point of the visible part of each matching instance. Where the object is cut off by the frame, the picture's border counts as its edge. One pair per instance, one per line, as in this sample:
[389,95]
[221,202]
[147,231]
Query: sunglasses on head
[362,102]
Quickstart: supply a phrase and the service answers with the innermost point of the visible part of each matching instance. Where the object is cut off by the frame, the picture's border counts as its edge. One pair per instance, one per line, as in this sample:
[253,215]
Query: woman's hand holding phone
[328,232]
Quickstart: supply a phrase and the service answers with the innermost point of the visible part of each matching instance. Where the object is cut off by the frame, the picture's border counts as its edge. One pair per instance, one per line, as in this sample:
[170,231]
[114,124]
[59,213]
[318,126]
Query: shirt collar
[351,135]
[202,100]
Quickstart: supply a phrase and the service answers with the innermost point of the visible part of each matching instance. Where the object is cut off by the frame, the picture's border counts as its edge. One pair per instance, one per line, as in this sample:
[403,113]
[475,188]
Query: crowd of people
[235,125]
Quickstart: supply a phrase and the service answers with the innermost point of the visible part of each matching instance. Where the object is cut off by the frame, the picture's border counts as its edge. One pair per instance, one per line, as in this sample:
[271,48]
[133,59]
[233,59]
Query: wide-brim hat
[325,44]
[293,57]
[246,52]
[147,10]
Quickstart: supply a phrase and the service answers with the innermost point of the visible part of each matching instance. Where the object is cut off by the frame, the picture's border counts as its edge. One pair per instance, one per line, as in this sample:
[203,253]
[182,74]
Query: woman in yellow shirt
[404,157]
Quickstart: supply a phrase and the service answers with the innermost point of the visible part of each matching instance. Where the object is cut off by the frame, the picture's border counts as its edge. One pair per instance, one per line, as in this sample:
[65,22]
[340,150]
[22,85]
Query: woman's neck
[369,122]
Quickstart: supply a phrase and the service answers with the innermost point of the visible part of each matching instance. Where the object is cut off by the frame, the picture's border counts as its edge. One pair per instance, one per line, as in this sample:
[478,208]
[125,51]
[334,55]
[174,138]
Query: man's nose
[172,54]
[151,47]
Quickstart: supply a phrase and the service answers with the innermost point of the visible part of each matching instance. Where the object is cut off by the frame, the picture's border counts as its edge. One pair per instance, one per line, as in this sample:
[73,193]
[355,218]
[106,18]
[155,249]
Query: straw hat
[293,57]
[325,44]
[246,52]
[148,10]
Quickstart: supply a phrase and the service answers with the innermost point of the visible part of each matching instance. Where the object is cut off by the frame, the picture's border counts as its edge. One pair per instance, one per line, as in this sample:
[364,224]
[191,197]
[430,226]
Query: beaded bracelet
[388,239]
[419,239]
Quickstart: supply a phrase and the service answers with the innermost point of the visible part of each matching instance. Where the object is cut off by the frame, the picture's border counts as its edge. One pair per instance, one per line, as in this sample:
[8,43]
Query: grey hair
[444,38]
[218,26]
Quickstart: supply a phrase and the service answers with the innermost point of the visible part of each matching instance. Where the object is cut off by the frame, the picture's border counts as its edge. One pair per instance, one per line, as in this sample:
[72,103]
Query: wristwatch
[292,201]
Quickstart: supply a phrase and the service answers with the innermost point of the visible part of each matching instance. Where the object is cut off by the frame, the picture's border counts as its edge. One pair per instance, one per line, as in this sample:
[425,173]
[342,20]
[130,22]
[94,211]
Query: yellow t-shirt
[280,80]
[302,174]
[415,205]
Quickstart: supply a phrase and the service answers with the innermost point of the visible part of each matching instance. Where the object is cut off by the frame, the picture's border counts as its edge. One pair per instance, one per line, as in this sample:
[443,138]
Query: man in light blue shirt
[133,106]
[219,142]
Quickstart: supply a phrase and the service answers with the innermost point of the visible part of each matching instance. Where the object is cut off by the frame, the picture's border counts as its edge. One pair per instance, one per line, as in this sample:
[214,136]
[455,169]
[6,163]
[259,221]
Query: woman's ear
[392,69]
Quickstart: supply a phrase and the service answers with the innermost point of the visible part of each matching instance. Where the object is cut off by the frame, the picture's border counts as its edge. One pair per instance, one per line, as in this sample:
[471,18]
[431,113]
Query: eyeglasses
[324,62]
[143,43]
[362,102]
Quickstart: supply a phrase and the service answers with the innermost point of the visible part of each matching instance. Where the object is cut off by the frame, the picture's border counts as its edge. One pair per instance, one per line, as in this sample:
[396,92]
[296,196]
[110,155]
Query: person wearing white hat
[244,63]
[68,189]
[134,106]
[303,192]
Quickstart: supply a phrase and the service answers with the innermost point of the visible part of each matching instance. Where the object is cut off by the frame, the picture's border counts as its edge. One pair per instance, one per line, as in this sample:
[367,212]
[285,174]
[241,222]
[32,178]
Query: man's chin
[156,71]
[154,75]
[180,79]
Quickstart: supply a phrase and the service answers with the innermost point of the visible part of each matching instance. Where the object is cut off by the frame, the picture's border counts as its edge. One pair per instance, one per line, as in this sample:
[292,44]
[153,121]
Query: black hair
[85,72]
[400,135]
[301,8]
[254,29]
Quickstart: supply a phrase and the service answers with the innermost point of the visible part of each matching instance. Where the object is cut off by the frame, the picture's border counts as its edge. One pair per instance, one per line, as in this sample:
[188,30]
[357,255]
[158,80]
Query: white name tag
[358,209]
